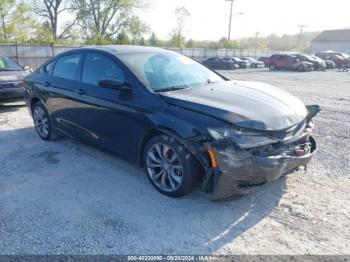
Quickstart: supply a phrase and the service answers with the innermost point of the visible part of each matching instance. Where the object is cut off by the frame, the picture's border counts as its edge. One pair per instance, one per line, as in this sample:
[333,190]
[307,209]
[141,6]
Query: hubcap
[164,167]
[41,121]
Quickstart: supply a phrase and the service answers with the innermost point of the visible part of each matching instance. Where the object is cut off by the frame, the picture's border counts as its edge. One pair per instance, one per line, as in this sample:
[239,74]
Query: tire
[300,69]
[42,122]
[172,170]
[344,66]
[272,67]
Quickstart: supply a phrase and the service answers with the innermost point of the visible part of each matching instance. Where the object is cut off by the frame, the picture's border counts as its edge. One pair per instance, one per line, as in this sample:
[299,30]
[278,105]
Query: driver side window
[100,67]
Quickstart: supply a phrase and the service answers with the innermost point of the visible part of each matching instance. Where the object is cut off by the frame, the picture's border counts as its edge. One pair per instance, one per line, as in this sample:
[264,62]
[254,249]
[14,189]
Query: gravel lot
[66,198]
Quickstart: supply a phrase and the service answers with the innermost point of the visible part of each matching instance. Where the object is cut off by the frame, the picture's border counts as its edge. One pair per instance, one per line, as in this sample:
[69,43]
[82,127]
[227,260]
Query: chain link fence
[35,55]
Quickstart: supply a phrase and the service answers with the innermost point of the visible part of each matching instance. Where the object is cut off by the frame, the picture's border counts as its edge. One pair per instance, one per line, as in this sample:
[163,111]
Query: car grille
[293,132]
[300,143]
[14,84]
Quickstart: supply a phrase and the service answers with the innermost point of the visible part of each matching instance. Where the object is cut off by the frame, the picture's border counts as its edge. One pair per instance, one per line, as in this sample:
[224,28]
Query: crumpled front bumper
[238,169]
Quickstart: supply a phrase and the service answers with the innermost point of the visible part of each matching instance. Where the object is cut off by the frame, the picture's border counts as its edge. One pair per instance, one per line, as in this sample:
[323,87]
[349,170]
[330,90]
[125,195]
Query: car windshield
[345,55]
[6,64]
[168,71]
[252,59]
[316,58]
[237,59]
[309,57]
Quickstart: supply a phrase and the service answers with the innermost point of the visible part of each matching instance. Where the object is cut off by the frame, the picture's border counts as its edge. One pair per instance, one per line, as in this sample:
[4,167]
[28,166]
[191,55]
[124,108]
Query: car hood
[10,76]
[250,105]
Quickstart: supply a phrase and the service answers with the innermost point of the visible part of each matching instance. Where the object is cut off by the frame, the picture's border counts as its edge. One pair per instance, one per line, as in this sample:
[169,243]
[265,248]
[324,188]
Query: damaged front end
[239,159]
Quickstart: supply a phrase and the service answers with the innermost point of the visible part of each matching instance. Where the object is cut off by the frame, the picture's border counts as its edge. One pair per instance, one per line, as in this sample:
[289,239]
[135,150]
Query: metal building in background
[335,40]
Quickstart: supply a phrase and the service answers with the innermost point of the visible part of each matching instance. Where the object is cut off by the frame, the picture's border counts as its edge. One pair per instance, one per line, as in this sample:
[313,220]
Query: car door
[63,93]
[279,61]
[111,118]
[283,62]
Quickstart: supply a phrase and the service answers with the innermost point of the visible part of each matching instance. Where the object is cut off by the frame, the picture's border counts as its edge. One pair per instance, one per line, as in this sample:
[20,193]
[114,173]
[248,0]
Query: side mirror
[115,84]
[26,68]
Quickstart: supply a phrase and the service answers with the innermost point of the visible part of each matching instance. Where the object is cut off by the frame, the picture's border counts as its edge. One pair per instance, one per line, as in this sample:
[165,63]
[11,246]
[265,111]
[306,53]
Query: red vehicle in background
[289,62]
[340,60]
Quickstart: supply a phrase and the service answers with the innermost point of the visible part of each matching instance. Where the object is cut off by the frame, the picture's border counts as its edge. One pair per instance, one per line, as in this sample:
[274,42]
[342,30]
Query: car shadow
[100,199]
[11,107]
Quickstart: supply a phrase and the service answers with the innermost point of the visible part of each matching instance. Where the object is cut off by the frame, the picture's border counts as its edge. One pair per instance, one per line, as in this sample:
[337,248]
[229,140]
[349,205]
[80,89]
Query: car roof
[124,49]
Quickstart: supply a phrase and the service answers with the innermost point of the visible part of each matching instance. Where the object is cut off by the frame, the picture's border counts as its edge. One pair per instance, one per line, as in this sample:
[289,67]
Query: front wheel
[172,170]
[300,69]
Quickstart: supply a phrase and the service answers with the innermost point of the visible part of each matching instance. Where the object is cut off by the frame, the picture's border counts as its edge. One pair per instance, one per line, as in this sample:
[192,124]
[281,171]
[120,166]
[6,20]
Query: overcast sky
[209,18]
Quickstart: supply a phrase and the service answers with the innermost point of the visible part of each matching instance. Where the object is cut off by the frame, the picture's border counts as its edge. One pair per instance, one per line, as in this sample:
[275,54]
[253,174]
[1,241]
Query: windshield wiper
[169,89]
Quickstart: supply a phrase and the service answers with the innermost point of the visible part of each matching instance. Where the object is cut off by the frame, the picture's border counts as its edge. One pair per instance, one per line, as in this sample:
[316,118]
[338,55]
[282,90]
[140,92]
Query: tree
[136,29]
[177,35]
[103,19]
[123,39]
[16,21]
[51,11]
[153,40]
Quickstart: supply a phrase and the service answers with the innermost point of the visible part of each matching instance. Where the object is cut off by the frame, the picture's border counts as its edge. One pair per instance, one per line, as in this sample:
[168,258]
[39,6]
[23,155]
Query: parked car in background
[318,63]
[346,56]
[263,59]
[185,124]
[253,62]
[241,63]
[217,63]
[288,62]
[329,63]
[340,60]
[11,80]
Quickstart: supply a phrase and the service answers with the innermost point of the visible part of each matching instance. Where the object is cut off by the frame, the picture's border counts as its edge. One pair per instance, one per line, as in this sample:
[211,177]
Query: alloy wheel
[41,121]
[164,167]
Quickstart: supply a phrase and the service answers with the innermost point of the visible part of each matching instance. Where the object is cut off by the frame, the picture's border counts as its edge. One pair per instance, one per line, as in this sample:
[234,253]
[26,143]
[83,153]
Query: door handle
[47,84]
[80,92]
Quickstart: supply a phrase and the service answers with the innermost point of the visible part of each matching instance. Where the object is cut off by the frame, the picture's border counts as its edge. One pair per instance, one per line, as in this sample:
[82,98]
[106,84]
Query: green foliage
[113,22]
[102,20]
[136,29]
[177,40]
[16,22]
[153,40]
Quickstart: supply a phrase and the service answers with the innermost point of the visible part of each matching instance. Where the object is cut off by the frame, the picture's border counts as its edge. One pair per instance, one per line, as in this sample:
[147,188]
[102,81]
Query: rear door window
[67,67]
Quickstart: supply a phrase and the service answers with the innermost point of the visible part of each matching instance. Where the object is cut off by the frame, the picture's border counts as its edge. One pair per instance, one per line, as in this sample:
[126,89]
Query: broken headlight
[245,139]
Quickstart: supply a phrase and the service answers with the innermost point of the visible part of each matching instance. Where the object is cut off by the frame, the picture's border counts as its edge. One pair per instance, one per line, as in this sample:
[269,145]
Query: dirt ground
[67,198]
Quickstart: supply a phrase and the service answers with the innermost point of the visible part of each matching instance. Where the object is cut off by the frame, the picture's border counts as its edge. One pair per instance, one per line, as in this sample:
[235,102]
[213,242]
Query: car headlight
[245,139]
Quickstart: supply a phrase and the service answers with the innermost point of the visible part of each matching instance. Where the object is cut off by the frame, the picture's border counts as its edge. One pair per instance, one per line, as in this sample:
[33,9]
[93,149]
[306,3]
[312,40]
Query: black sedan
[318,63]
[11,80]
[218,63]
[241,63]
[183,122]
[253,62]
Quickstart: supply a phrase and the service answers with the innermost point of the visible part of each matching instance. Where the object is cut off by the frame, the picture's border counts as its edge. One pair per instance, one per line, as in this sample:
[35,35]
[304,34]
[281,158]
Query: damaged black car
[184,123]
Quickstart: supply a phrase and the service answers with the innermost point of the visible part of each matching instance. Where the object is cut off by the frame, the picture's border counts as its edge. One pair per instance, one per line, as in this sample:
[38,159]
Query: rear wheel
[42,121]
[272,68]
[171,169]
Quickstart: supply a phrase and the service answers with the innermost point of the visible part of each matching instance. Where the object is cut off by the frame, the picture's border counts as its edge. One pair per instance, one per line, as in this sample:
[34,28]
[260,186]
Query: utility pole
[230,23]
[301,32]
